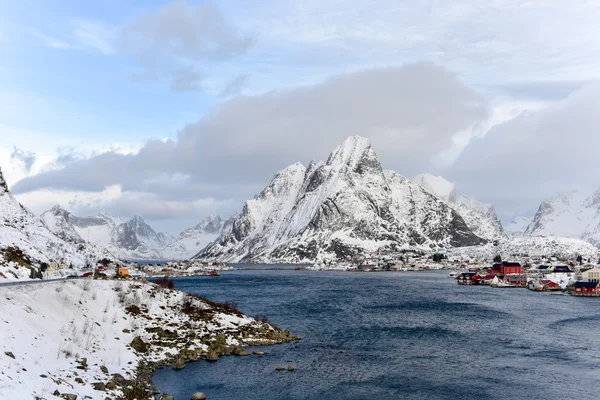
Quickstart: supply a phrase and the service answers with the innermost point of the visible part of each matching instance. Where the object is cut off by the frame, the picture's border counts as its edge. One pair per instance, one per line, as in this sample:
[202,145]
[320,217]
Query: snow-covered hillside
[480,218]
[87,337]
[571,214]
[532,246]
[22,231]
[192,240]
[336,208]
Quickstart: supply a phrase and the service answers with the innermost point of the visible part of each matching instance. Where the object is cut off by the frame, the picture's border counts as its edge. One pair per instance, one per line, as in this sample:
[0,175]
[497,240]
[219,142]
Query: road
[36,281]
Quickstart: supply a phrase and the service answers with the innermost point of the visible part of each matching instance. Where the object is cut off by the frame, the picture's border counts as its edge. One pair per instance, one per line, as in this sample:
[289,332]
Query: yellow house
[64,266]
[123,271]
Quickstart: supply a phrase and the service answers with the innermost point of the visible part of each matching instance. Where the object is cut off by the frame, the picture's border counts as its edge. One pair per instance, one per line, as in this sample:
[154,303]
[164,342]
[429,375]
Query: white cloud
[530,157]
[177,40]
[94,35]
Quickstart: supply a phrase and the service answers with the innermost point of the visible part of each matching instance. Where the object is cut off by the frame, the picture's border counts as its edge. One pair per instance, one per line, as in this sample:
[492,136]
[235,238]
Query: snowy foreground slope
[22,232]
[480,218]
[133,239]
[532,246]
[331,209]
[570,213]
[48,330]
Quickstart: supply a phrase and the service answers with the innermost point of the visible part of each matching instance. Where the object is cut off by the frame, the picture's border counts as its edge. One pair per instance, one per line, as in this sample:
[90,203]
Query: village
[577,276]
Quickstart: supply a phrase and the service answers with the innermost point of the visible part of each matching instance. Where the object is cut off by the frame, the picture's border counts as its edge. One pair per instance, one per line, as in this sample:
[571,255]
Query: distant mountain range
[329,209]
[134,238]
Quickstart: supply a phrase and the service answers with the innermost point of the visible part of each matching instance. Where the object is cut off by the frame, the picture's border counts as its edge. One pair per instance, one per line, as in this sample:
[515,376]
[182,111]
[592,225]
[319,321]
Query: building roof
[510,264]
[586,284]
[561,268]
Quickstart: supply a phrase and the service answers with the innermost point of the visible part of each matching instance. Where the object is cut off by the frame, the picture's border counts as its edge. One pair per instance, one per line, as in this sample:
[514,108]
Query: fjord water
[392,335]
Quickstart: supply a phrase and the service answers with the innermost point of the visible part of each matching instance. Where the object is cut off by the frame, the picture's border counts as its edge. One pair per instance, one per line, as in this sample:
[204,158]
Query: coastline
[105,339]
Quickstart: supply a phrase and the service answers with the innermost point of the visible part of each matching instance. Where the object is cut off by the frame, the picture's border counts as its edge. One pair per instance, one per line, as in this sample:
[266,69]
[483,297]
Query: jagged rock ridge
[332,209]
[480,218]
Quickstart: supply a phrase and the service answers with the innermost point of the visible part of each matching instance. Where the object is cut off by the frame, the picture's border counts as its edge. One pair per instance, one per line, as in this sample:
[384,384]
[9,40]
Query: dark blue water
[409,335]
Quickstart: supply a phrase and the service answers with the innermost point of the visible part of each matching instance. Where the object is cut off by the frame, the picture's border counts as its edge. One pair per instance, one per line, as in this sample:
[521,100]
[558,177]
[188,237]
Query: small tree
[498,259]
[580,259]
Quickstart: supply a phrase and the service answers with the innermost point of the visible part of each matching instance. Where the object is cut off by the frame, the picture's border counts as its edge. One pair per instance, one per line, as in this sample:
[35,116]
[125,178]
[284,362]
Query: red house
[586,289]
[511,268]
[496,269]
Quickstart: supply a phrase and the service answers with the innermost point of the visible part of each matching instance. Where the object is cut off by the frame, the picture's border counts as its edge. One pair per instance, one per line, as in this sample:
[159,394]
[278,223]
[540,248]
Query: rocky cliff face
[336,208]
[480,218]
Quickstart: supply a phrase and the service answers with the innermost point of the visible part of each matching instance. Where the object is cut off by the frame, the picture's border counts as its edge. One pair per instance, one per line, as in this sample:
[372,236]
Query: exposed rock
[212,356]
[139,345]
[290,368]
[259,353]
[119,380]
[198,396]
[279,368]
[99,386]
[69,396]
[10,354]
[79,380]
[236,351]
[166,397]
[179,364]
[111,385]
[339,208]
[104,369]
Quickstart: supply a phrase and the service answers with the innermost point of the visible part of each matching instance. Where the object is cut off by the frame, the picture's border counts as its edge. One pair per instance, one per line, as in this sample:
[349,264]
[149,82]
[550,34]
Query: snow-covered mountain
[194,239]
[19,228]
[132,239]
[570,213]
[336,208]
[519,224]
[480,218]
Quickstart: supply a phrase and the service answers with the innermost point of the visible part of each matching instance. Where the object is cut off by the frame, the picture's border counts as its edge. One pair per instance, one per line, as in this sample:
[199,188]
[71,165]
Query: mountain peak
[351,152]
[3,186]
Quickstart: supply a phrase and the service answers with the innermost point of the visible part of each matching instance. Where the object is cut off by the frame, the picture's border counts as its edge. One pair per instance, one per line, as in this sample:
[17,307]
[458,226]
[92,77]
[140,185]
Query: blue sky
[83,79]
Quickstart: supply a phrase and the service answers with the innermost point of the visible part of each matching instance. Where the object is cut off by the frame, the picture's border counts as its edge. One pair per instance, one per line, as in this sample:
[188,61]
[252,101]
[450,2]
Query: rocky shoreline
[112,351]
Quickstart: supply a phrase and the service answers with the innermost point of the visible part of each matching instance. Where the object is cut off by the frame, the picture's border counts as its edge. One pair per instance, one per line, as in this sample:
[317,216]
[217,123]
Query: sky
[179,110]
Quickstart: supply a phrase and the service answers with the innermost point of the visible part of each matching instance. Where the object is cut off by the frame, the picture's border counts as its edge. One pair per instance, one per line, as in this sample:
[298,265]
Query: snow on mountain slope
[22,229]
[570,213]
[532,246]
[438,186]
[519,224]
[336,208]
[194,239]
[133,239]
[481,218]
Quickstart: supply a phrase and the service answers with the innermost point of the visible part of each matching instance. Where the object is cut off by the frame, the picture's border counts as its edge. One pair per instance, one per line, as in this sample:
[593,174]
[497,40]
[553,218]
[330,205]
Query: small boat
[453,274]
